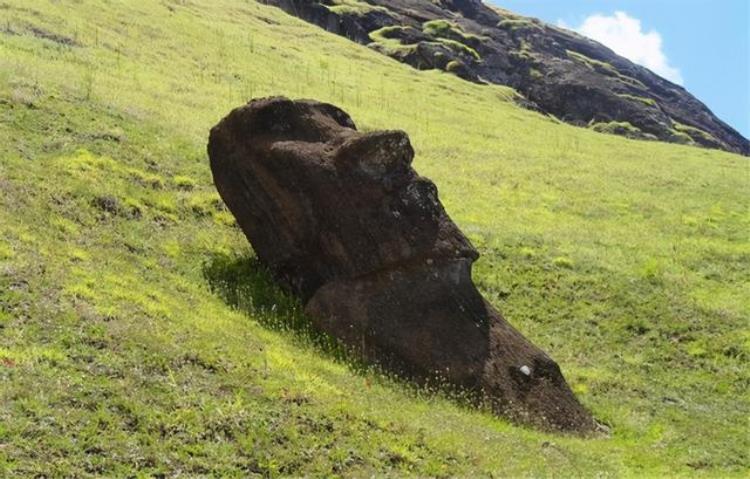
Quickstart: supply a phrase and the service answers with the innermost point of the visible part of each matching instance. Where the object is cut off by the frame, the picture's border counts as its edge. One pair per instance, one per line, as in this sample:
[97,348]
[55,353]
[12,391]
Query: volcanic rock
[343,221]
[556,71]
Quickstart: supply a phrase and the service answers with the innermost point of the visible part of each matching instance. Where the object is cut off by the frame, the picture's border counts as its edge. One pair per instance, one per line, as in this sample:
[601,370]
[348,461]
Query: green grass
[607,69]
[138,337]
[520,23]
[441,28]
[682,137]
[387,39]
[453,65]
[597,65]
[449,30]
[641,99]
[535,74]
[623,128]
[694,132]
[354,7]
[459,48]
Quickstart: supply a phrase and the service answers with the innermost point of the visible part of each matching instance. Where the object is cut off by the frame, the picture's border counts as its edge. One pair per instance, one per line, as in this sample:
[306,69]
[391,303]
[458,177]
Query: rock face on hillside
[343,221]
[557,71]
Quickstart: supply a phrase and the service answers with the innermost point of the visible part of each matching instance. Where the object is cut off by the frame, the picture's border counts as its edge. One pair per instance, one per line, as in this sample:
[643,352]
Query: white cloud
[624,35]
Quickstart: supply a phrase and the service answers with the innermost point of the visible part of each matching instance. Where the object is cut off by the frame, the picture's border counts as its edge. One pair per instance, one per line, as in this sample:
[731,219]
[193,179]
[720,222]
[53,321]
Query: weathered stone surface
[342,219]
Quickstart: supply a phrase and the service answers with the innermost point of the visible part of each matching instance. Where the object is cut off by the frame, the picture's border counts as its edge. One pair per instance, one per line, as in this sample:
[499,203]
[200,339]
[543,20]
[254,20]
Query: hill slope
[137,333]
[559,72]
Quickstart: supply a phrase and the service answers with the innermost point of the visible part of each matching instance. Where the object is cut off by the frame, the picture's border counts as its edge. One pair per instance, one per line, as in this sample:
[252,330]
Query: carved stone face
[342,219]
[322,200]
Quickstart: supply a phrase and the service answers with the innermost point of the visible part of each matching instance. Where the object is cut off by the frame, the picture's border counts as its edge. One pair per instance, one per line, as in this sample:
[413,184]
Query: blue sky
[702,44]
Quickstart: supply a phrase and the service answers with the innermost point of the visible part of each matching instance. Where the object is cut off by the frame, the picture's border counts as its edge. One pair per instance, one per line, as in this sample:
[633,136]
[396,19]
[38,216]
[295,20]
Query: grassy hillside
[139,337]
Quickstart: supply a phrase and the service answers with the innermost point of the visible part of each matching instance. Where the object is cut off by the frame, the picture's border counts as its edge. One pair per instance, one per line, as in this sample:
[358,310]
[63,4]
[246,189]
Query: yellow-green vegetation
[526,51]
[535,74]
[387,38]
[597,65]
[605,68]
[641,99]
[441,28]
[452,36]
[453,66]
[139,338]
[459,48]
[693,132]
[623,128]
[681,137]
[450,30]
[520,23]
[354,7]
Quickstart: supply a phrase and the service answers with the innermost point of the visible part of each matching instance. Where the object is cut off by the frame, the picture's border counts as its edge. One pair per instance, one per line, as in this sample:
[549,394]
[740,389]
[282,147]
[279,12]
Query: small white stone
[526,370]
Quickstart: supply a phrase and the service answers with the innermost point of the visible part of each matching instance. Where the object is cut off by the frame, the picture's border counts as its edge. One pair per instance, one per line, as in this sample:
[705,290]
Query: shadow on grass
[246,285]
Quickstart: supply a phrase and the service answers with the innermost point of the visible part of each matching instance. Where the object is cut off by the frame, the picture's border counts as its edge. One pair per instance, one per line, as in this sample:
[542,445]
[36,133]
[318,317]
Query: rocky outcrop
[344,222]
[557,71]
